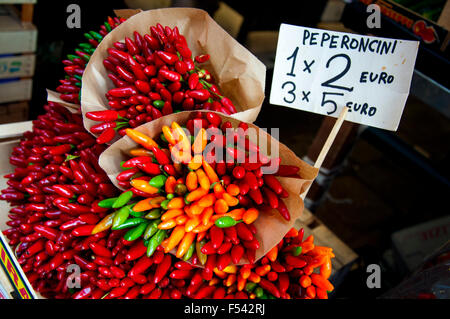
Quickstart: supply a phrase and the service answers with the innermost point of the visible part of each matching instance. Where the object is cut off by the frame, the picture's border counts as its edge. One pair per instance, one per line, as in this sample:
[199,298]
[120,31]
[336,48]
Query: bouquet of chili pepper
[76,62]
[54,191]
[154,75]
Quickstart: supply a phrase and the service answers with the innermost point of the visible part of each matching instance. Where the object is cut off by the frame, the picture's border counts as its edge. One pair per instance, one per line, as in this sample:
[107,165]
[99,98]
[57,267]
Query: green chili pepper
[250,286]
[88,36]
[226,221]
[86,45]
[151,229]
[136,232]
[170,196]
[163,138]
[259,292]
[136,214]
[296,250]
[272,297]
[158,181]
[201,256]
[96,35]
[72,56]
[120,217]
[107,26]
[158,104]
[164,204]
[212,185]
[123,199]
[124,168]
[146,241]
[154,213]
[107,203]
[130,223]
[192,139]
[180,189]
[156,240]
[189,252]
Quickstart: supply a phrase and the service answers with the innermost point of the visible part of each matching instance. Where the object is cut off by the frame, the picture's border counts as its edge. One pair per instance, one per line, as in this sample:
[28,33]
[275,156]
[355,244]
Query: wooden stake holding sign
[357,78]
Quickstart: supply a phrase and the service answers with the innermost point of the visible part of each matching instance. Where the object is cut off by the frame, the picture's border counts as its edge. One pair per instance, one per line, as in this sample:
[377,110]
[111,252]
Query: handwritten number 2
[340,75]
[291,92]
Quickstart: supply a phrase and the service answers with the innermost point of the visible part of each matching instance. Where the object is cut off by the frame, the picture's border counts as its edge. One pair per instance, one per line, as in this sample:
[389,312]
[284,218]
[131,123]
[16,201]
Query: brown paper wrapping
[271,227]
[239,74]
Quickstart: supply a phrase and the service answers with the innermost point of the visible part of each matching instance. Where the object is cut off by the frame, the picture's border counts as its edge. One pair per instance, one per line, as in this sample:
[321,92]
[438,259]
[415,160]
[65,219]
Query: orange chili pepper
[176,202]
[167,132]
[305,281]
[168,224]
[241,283]
[141,138]
[318,261]
[245,272]
[140,152]
[219,190]
[292,233]
[142,205]
[262,270]
[156,201]
[185,244]
[175,237]
[310,239]
[200,141]
[207,200]
[321,282]
[306,247]
[236,214]
[179,156]
[231,290]
[230,200]
[104,224]
[170,185]
[191,223]
[230,269]
[325,268]
[321,293]
[196,209]
[181,220]
[201,235]
[233,190]
[196,162]
[206,215]
[203,180]
[320,250]
[191,181]
[214,281]
[183,142]
[164,243]
[254,278]
[308,270]
[213,178]
[250,215]
[272,254]
[311,292]
[231,279]
[144,186]
[196,194]
[220,273]
[171,213]
[220,206]
[202,228]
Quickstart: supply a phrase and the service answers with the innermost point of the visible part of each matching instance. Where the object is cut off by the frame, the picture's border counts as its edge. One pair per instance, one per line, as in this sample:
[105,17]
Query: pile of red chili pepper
[76,62]
[155,75]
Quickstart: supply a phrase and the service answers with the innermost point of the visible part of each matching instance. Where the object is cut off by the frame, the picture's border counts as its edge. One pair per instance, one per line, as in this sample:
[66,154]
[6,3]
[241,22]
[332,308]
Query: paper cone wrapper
[271,227]
[238,73]
[53,96]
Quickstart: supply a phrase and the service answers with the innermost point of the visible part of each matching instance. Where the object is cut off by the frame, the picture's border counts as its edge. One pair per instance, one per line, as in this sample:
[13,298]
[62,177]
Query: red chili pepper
[217,236]
[243,232]
[271,197]
[47,232]
[207,273]
[223,261]
[270,287]
[273,183]
[141,266]
[200,94]
[123,92]
[256,196]
[204,292]
[170,75]
[167,57]
[136,251]
[295,262]
[283,210]
[104,116]
[162,268]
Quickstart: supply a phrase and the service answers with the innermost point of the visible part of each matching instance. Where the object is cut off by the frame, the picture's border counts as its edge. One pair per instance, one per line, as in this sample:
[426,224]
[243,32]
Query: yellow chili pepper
[196,162]
[175,237]
[200,142]
[168,135]
[203,180]
[182,140]
[176,202]
[213,178]
[171,213]
[141,138]
[192,223]
[104,224]
[144,186]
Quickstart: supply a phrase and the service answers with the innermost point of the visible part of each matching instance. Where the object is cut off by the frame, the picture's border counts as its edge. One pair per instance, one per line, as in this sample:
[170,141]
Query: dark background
[378,191]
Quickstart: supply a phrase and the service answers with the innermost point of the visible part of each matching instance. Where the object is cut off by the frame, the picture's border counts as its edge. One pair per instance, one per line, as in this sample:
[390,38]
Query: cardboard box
[16,36]
[14,112]
[17,66]
[17,90]
[414,244]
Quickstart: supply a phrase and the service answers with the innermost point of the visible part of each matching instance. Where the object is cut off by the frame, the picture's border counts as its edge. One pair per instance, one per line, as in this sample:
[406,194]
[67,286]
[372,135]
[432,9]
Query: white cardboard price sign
[322,71]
